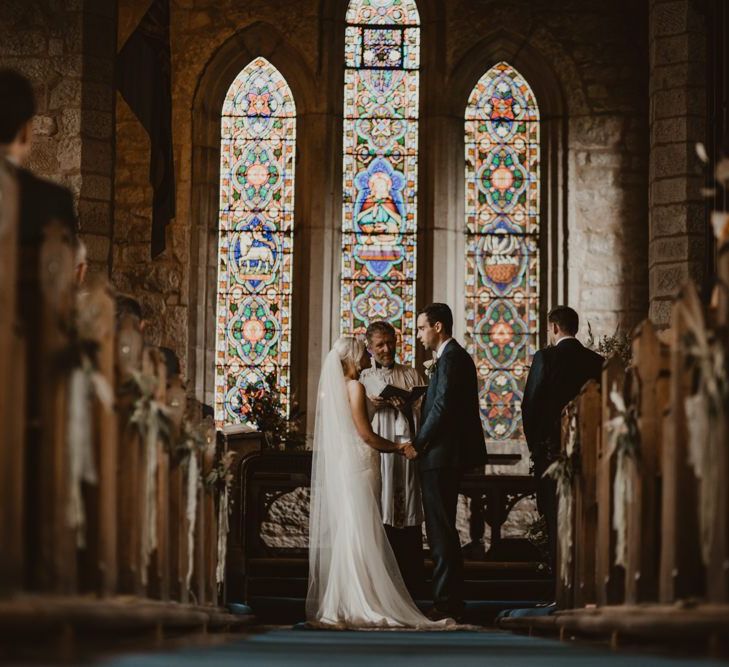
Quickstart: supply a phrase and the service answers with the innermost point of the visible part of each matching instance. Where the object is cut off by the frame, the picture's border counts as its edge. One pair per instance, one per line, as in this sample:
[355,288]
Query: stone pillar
[95,205]
[677,33]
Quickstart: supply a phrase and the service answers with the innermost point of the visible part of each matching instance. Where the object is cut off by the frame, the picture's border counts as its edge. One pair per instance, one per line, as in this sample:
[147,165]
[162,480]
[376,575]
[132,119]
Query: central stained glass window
[380,171]
[502,243]
[255,247]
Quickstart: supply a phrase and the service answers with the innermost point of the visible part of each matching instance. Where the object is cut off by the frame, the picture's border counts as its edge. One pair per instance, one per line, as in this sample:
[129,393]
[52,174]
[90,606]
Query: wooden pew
[206,535]
[708,433]
[718,570]
[565,560]
[129,350]
[650,373]
[210,522]
[176,403]
[98,561]
[609,579]
[681,572]
[48,473]
[589,424]
[12,393]
[159,565]
[199,572]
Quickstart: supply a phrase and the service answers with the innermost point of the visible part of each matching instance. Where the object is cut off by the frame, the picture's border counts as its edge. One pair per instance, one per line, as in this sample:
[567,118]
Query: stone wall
[66,49]
[678,39]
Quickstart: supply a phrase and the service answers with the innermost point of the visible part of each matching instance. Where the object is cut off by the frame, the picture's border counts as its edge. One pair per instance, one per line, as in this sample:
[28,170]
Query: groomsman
[40,203]
[40,200]
[402,510]
[557,374]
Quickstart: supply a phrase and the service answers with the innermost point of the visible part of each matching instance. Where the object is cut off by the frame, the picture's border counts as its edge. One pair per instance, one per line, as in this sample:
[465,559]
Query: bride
[354,580]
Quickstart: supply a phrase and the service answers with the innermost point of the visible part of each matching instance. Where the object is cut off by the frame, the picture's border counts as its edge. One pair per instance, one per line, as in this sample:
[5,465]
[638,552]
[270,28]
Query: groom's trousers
[440,499]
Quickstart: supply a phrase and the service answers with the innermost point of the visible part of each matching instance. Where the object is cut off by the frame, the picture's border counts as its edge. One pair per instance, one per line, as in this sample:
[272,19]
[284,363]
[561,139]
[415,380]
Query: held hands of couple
[407,450]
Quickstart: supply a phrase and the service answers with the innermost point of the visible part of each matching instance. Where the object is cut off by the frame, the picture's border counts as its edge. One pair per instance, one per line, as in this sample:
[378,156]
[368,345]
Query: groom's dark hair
[565,318]
[439,312]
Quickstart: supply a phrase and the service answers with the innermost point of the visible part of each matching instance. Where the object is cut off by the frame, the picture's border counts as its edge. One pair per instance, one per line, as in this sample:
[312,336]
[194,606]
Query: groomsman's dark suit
[40,202]
[449,441]
[556,377]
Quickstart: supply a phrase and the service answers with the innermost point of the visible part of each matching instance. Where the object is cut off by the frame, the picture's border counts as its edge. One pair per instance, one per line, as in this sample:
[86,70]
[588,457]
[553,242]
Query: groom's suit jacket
[451,435]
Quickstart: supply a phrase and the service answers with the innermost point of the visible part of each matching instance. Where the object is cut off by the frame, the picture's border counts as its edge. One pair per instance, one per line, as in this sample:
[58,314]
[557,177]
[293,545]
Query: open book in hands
[376,386]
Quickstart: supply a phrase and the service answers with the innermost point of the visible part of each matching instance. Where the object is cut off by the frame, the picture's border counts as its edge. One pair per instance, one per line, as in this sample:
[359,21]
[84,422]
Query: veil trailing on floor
[354,580]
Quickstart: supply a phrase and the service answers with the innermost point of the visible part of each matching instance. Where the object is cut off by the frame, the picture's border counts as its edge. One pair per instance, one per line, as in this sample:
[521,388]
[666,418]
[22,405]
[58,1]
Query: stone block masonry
[677,218]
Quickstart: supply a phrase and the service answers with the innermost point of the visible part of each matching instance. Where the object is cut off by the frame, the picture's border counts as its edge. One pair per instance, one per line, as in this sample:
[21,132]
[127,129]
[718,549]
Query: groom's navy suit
[450,439]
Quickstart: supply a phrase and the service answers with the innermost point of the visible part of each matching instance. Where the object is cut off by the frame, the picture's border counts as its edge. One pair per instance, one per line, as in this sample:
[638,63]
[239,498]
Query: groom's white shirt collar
[442,347]
[565,338]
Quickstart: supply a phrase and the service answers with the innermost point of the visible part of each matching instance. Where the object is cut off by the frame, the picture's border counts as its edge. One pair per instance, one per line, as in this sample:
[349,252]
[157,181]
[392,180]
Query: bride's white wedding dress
[354,580]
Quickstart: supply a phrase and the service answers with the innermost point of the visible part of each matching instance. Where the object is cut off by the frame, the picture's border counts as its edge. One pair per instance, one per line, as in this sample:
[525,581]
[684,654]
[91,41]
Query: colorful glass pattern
[380,171]
[255,248]
[502,243]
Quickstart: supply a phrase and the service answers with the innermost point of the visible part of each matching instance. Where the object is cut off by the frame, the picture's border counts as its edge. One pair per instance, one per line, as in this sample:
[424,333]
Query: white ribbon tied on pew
[193,481]
[706,420]
[561,471]
[223,527]
[85,384]
[151,418]
[149,497]
[623,491]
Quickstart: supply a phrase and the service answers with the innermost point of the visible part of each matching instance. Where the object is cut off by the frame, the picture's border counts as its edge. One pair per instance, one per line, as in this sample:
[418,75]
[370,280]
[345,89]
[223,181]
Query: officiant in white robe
[402,510]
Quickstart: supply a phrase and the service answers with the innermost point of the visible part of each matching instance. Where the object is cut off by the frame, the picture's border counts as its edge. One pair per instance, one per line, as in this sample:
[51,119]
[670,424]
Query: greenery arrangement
[149,415]
[618,344]
[536,533]
[192,438]
[262,407]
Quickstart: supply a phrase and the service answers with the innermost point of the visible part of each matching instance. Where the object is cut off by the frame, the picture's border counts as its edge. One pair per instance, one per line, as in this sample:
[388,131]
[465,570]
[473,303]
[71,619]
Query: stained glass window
[379,224]
[502,243]
[255,248]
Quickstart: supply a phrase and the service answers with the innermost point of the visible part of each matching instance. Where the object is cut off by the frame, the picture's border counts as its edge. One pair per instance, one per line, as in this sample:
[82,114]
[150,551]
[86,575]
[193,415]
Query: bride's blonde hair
[350,349]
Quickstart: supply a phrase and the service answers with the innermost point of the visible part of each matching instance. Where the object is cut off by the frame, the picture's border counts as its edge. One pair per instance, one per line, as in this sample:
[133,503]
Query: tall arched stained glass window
[502,243]
[255,249]
[379,224]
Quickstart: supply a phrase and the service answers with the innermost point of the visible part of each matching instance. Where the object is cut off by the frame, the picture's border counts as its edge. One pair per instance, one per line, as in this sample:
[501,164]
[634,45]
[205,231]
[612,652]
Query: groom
[449,441]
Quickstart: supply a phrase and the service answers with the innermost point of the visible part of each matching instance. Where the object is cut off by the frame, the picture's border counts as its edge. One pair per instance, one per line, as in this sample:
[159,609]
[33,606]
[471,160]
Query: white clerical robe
[401,500]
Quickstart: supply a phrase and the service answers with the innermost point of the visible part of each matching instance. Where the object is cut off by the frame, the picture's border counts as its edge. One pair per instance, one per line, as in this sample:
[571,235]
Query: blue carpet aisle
[386,649]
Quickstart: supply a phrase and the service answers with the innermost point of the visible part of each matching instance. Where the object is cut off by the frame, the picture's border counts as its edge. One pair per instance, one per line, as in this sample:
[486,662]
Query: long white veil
[354,580]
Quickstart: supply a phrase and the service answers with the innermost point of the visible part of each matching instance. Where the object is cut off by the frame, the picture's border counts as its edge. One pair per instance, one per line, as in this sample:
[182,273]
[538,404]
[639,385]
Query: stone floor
[275,647]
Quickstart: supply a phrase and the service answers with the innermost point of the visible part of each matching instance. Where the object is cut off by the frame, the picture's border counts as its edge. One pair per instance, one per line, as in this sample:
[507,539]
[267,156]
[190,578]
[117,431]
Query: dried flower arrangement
[262,407]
